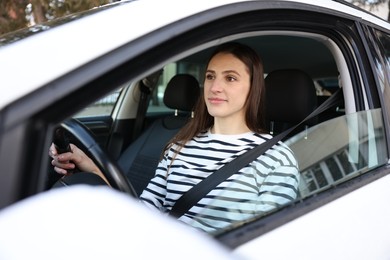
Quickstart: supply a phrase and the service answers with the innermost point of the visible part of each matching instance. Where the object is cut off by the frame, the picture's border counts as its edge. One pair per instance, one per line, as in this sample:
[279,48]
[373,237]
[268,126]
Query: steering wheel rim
[108,166]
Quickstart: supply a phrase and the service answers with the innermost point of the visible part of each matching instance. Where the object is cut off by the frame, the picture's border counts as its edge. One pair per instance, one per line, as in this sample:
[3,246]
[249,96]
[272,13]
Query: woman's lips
[216,100]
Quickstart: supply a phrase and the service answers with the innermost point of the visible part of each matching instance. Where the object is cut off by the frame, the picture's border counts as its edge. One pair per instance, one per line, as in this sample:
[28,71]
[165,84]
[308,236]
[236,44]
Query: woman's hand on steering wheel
[65,163]
[92,158]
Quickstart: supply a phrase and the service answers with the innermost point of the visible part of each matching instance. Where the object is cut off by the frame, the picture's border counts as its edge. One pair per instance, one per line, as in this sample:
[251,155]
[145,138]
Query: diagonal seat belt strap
[196,193]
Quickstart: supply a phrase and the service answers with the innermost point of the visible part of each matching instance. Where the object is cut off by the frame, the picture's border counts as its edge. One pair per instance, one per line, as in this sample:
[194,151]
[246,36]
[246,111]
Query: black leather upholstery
[181,92]
[290,97]
[140,159]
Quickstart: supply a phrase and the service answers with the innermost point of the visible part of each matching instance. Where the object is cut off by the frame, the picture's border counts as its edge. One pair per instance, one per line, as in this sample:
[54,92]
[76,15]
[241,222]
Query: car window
[102,107]
[339,149]
[381,55]
[342,143]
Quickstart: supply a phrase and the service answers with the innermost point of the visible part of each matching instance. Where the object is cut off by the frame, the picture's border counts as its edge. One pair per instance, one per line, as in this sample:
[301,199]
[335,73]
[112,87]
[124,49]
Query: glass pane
[319,176]
[380,49]
[347,166]
[334,169]
[102,107]
[309,182]
[339,149]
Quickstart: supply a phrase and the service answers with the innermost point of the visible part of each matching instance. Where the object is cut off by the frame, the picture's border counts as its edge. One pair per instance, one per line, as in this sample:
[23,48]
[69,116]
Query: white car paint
[89,37]
[95,35]
[106,227]
[355,226]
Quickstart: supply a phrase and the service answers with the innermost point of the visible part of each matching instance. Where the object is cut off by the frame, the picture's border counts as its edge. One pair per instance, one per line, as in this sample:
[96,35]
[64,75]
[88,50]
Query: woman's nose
[215,86]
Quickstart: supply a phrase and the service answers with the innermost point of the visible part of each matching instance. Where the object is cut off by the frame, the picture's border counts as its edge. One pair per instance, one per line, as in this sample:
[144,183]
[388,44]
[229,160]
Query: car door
[350,144]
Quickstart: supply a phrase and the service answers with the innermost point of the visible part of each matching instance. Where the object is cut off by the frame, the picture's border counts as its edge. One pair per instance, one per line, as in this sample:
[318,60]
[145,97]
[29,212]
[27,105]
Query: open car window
[337,146]
[341,144]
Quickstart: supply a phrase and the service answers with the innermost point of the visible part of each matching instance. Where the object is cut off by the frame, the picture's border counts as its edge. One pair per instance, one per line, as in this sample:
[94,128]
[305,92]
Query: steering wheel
[108,166]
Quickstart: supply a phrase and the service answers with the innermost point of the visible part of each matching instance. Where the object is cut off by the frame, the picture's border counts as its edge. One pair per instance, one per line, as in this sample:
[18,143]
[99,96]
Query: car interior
[302,70]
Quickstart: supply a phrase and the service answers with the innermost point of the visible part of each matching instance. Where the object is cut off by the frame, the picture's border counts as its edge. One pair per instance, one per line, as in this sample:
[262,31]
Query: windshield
[14,36]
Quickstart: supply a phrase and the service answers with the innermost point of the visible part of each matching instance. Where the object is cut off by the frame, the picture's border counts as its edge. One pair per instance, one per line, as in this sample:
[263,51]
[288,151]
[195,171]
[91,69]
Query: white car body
[79,36]
[352,226]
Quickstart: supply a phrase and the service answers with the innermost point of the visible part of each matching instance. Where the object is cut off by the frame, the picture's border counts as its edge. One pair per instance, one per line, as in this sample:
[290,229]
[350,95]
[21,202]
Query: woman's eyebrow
[224,72]
[231,71]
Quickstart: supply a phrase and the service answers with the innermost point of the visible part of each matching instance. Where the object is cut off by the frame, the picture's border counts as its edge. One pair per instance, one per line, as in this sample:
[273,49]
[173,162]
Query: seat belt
[142,107]
[146,87]
[196,193]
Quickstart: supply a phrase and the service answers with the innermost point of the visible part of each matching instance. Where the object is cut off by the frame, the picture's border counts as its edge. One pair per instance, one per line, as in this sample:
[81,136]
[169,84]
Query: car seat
[290,97]
[140,159]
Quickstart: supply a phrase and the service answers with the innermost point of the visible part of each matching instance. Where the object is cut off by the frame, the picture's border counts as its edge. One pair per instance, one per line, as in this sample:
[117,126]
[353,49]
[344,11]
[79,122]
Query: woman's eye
[230,78]
[209,76]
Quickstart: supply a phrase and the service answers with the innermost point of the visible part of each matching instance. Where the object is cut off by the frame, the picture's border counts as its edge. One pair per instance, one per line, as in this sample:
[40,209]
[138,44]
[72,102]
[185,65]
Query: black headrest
[290,95]
[182,92]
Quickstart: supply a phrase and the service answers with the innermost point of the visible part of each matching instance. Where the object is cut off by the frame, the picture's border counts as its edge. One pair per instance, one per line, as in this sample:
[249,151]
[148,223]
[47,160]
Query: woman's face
[226,87]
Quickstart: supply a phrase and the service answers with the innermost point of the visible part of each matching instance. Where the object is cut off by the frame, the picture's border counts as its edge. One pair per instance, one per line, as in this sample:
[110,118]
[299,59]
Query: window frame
[376,51]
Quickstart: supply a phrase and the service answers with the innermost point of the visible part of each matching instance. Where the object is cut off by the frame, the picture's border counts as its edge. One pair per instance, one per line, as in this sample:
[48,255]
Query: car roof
[95,35]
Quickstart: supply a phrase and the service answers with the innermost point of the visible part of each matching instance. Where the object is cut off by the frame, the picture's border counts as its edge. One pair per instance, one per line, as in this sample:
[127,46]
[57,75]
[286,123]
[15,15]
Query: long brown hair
[254,105]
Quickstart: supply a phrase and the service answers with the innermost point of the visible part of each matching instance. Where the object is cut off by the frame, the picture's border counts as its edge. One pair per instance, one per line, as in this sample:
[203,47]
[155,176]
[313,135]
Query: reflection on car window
[381,55]
[339,149]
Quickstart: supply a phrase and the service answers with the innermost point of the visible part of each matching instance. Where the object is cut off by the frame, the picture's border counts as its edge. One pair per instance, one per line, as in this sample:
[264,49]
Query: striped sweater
[264,185]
